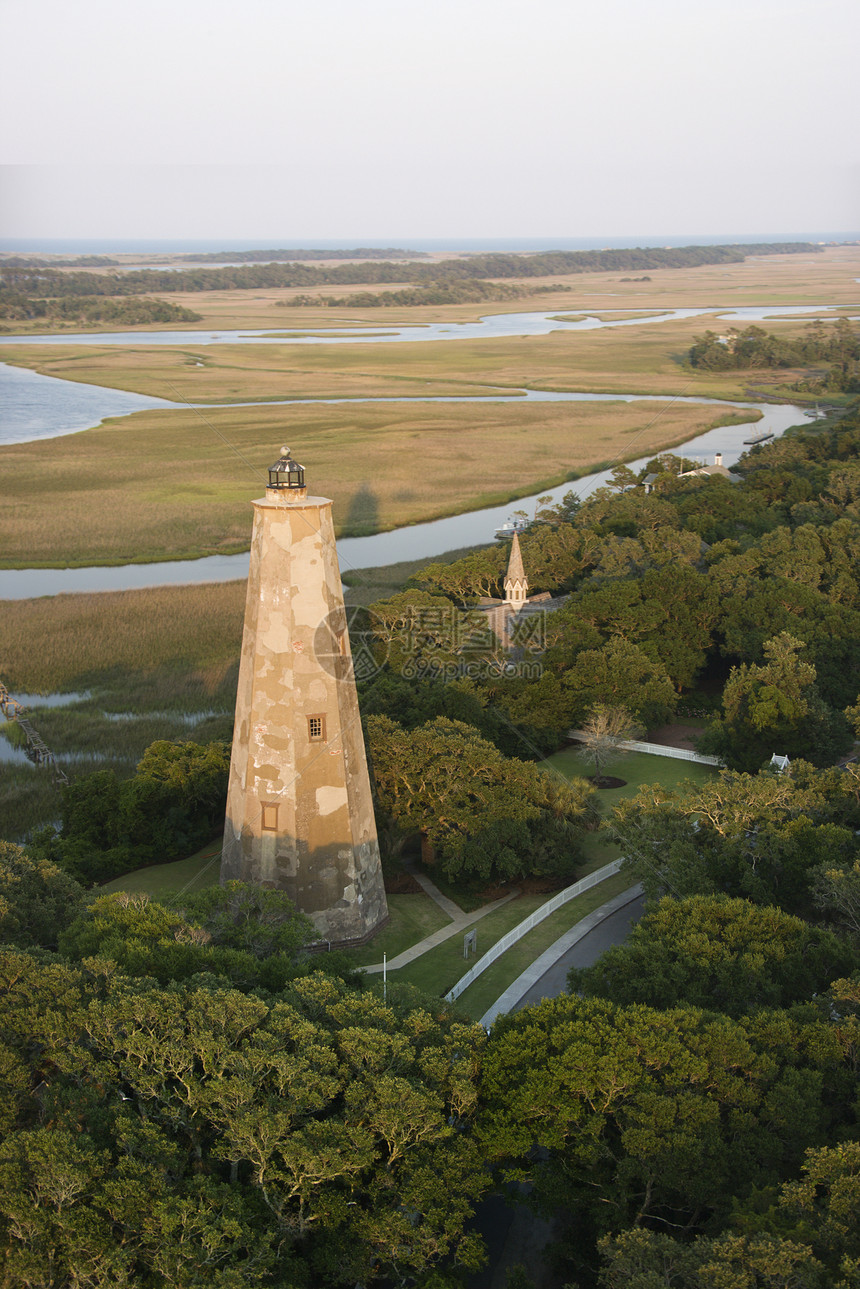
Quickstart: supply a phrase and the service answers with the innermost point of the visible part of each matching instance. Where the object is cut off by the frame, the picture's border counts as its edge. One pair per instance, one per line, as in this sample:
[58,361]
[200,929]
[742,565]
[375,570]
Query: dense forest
[465,292]
[191,1100]
[132,311]
[48,282]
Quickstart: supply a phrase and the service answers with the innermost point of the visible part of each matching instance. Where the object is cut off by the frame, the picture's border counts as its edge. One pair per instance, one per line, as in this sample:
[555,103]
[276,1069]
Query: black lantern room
[286,473]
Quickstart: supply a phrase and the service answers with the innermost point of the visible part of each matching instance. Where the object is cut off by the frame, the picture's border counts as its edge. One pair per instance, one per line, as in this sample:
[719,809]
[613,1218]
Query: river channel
[37,406]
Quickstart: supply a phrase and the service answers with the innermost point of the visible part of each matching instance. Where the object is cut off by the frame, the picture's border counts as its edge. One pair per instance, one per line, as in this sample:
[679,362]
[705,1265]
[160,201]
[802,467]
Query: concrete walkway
[460,921]
[430,888]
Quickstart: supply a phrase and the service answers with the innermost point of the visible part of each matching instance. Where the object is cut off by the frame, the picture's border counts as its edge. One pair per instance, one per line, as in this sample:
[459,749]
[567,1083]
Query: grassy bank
[624,359]
[165,485]
[165,882]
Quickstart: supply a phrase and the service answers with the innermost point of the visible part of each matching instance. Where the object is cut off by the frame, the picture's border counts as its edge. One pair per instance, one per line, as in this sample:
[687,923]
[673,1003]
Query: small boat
[512,526]
[758,438]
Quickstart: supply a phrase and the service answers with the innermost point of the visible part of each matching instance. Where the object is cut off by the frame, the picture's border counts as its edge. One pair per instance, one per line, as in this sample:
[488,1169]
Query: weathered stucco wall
[299,809]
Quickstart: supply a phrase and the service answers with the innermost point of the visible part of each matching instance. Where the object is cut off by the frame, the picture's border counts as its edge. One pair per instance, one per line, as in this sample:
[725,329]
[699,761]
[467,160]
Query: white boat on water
[511,526]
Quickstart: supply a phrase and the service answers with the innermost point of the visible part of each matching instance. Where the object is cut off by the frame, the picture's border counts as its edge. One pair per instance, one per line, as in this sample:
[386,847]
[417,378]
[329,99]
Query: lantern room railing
[286,473]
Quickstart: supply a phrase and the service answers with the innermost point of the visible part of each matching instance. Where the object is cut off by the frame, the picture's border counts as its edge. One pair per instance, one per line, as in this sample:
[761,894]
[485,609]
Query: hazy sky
[289,120]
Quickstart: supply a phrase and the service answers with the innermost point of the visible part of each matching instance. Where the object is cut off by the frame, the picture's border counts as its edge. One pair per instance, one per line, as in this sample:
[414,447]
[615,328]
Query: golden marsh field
[167,484]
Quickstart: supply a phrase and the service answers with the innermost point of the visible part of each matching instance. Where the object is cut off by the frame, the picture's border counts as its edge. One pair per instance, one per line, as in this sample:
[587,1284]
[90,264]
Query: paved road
[513,1234]
[613,930]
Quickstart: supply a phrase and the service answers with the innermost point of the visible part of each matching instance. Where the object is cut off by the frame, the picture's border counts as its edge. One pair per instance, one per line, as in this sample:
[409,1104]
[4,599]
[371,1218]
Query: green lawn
[413,918]
[166,881]
[636,768]
[436,971]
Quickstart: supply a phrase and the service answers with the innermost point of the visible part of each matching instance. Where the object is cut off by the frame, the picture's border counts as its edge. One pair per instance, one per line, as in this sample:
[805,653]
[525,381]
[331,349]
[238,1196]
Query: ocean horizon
[470,245]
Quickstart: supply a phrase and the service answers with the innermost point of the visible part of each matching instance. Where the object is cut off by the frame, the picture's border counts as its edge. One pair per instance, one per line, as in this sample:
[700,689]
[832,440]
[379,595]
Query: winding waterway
[347,332]
[42,407]
[413,542]
[37,406]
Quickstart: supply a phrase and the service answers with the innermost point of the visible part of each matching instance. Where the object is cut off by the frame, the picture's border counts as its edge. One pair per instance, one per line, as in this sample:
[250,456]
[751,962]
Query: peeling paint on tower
[299,807]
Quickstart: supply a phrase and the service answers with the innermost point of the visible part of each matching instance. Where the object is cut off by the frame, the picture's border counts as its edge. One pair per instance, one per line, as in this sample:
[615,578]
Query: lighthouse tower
[299,809]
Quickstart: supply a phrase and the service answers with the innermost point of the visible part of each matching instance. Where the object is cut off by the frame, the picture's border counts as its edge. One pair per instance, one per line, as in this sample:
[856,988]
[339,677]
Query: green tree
[716,953]
[623,1116]
[479,813]
[250,918]
[775,707]
[37,899]
[620,674]
[169,808]
[837,892]
[201,1137]
[641,1259]
[247,936]
[758,837]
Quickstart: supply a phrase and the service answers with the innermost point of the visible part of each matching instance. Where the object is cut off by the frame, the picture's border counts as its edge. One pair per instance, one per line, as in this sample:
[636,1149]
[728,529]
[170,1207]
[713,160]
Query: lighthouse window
[316,729]
[269,822]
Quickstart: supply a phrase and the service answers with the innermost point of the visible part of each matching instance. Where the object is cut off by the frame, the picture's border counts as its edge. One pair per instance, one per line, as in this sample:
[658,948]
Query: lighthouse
[299,809]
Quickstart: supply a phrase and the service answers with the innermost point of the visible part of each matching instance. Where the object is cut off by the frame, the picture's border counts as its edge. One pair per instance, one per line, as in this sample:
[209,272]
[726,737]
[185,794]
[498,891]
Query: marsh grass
[85,729]
[157,664]
[165,484]
[171,648]
[29,797]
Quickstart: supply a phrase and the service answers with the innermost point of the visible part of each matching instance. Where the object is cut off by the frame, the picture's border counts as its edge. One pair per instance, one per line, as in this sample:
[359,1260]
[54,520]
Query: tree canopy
[484,815]
[720,954]
[195,1136]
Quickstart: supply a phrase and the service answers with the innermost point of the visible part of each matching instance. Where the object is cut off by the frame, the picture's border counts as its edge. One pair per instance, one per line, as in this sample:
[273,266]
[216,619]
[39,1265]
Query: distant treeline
[431,293]
[133,311]
[296,255]
[78,262]
[754,347]
[52,282]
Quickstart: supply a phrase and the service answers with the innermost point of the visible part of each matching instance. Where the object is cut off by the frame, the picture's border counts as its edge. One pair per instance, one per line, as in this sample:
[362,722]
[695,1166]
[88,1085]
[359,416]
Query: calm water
[414,542]
[490,327]
[37,406]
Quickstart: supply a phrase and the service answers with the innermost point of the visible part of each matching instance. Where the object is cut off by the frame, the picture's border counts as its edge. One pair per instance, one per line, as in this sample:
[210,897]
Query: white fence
[658,749]
[528,924]
[680,753]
